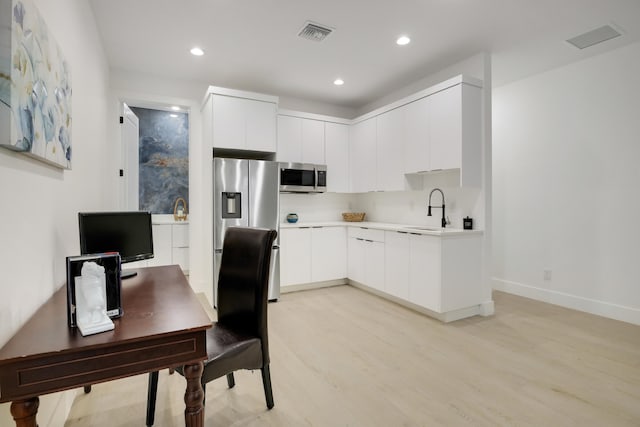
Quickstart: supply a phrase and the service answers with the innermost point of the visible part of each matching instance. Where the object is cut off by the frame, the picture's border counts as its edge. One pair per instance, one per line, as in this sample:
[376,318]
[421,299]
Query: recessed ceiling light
[173,115]
[403,40]
[175,108]
[338,82]
[197,51]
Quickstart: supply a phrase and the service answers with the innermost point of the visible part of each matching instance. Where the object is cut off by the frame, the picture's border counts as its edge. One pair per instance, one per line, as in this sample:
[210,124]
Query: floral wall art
[35,85]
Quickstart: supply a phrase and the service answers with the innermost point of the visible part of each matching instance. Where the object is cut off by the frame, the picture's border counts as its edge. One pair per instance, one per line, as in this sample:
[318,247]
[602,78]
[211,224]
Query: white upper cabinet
[445,129]
[336,148]
[228,122]
[313,142]
[300,140]
[260,125]
[363,157]
[417,136]
[240,120]
[390,150]
[289,137]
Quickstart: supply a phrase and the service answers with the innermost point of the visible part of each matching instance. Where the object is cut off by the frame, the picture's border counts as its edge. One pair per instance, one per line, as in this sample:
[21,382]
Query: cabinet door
[374,264]
[390,150]
[363,157]
[446,128]
[180,256]
[289,139]
[336,139]
[355,258]
[180,235]
[328,253]
[417,136]
[396,264]
[162,246]
[313,141]
[228,122]
[295,256]
[425,271]
[260,125]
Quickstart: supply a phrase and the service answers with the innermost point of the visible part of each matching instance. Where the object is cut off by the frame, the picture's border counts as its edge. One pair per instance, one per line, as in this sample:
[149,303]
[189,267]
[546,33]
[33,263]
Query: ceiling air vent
[315,32]
[593,37]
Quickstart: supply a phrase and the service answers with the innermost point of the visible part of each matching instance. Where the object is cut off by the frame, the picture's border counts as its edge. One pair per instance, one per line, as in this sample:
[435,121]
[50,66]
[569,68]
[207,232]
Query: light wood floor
[342,357]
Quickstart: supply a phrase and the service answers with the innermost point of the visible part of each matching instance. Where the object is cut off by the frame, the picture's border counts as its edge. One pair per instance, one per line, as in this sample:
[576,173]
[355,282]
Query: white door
[130,136]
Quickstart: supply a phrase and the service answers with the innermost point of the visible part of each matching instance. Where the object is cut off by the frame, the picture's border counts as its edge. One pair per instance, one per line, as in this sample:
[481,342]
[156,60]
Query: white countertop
[417,229]
[165,219]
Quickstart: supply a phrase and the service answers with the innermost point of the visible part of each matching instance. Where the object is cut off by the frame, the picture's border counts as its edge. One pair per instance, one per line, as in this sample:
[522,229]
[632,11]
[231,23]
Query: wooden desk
[163,325]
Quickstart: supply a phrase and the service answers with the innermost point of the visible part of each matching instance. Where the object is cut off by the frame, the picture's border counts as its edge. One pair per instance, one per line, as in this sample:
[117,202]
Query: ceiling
[254,45]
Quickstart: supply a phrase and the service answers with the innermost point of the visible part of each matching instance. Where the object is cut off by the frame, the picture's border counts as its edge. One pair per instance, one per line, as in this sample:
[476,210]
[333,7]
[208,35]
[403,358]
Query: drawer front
[366,234]
[52,373]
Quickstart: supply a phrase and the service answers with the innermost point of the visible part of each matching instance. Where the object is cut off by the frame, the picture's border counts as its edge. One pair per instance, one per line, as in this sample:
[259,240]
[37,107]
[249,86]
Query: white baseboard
[600,308]
[314,285]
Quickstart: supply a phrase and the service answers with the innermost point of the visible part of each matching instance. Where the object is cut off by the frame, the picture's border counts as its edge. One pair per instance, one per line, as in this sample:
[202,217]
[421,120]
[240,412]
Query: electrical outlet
[547,274]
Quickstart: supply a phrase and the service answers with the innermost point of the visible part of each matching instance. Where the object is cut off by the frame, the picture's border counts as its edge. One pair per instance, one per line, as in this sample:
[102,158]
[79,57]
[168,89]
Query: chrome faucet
[444,218]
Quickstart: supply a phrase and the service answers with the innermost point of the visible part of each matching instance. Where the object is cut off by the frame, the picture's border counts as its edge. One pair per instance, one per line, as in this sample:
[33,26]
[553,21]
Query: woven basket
[353,216]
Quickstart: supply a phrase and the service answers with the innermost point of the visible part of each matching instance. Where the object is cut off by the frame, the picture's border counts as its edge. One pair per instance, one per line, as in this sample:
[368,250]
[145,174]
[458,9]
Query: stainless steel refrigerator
[246,194]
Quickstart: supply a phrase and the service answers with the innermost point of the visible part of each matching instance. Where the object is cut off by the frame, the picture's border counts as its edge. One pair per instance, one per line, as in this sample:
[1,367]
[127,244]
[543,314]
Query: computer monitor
[128,233]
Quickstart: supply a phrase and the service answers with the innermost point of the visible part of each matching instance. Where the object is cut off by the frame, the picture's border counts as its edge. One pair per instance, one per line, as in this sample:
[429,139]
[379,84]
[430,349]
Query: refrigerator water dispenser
[231,205]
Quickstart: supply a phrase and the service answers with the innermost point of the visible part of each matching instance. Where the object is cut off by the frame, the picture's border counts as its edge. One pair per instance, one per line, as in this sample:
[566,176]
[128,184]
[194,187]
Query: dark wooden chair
[238,340]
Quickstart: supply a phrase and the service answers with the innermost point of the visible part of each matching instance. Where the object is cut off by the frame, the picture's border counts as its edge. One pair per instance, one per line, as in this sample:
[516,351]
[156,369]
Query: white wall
[566,177]
[40,203]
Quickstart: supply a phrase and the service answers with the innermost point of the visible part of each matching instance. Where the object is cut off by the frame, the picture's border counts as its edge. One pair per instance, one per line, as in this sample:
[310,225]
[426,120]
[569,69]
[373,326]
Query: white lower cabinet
[170,246]
[424,271]
[295,256]
[161,245]
[366,257]
[328,253]
[445,273]
[396,263]
[310,255]
[439,273]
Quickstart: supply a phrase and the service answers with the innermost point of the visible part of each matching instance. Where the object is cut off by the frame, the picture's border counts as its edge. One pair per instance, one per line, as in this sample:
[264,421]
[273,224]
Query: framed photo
[111,264]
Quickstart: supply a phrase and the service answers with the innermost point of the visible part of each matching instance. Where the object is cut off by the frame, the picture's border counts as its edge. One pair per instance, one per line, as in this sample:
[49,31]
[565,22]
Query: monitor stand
[125,274]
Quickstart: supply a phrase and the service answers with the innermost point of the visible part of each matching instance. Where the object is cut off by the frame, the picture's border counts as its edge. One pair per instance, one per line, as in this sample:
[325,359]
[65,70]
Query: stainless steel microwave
[303,178]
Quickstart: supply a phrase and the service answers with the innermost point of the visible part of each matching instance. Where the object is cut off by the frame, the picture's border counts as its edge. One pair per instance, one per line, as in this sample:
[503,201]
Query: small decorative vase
[292,218]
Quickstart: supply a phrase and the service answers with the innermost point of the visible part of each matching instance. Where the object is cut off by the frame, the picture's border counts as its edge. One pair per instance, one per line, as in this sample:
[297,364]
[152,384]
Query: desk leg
[193,396]
[24,412]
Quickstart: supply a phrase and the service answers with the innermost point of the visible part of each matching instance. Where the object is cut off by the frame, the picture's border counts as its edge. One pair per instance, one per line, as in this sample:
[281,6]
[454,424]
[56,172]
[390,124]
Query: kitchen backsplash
[401,207]
[314,207]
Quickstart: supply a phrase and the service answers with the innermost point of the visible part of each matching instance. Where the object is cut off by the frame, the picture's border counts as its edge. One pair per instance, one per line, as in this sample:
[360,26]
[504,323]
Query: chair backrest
[243,281]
